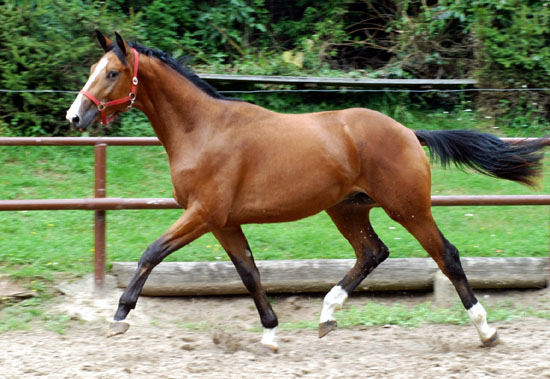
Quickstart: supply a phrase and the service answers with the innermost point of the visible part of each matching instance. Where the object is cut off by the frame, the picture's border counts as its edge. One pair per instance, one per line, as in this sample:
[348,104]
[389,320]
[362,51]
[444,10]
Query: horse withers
[234,163]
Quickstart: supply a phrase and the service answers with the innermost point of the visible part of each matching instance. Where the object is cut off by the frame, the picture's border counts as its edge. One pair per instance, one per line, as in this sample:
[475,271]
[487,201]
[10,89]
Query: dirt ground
[212,338]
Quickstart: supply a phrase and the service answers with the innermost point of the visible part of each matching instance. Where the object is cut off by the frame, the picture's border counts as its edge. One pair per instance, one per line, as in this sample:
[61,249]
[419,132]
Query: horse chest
[195,179]
[184,178]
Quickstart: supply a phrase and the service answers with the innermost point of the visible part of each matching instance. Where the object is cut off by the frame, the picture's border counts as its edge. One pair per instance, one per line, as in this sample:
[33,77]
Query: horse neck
[179,112]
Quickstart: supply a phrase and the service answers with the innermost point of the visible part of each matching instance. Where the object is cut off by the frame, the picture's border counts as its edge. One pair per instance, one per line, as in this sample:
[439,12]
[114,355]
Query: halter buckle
[135,80]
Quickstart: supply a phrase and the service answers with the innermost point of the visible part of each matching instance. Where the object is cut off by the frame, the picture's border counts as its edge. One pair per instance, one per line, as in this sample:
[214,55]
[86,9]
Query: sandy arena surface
[161,343]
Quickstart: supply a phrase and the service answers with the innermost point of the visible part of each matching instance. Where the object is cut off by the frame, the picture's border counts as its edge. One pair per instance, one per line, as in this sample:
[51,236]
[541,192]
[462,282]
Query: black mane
[180,68]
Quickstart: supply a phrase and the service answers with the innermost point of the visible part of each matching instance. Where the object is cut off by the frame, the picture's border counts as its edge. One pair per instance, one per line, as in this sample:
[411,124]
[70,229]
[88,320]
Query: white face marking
[479,319]
[268,338]
[332,302]
[74,110]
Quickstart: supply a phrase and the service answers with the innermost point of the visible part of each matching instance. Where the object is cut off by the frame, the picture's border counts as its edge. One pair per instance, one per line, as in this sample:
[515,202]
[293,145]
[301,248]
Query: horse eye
[112,75]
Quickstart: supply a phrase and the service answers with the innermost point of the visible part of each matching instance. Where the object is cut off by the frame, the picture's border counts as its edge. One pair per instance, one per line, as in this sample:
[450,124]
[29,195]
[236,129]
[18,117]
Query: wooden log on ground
[319,275]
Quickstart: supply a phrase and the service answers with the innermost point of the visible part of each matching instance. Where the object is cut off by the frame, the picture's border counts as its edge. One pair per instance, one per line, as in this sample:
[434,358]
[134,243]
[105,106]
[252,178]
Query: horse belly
[275,195]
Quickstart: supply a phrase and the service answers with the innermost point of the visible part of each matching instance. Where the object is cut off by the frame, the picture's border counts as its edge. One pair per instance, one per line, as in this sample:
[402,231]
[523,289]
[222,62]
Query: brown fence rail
[100,204]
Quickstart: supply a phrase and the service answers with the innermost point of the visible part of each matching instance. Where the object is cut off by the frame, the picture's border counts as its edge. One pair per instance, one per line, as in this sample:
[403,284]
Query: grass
[37,247]
[374,314]
[22,315]
[39,244]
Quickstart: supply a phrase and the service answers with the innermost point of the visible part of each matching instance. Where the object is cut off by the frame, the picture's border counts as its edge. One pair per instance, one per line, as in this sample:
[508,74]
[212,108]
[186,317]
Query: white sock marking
[333,301]
[268,338]
[479,319]
[124,321]
[75,107]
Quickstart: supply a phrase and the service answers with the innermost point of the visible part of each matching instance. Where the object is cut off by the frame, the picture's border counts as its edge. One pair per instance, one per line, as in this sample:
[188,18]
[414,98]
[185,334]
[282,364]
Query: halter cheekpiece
[102,105]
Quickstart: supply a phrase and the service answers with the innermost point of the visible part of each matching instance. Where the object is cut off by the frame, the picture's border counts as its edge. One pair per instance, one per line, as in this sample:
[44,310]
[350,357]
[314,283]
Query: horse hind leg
[418,220]
[352,220]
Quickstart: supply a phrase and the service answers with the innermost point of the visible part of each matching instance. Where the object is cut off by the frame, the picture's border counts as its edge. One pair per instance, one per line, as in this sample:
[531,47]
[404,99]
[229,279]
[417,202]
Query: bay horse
[235,163]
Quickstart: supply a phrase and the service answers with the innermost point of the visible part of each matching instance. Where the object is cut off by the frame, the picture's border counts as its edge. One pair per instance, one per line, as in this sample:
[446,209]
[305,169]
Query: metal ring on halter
[135,80]
[101,106]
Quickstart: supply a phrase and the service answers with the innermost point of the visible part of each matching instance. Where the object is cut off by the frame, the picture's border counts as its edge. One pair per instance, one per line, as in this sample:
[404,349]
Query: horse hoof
[327,327]
[117,327]
[493,341]
[272,348]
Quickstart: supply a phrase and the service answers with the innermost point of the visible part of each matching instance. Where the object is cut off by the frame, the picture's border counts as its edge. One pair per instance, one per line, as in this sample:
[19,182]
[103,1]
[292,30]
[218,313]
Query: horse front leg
[235,244]
[189,227]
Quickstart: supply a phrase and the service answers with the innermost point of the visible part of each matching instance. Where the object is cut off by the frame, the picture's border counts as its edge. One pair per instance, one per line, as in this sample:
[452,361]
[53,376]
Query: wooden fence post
[100,173]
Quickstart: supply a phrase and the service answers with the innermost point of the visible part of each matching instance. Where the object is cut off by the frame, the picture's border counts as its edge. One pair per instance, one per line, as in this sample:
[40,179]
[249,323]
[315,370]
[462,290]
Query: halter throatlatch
[102,106]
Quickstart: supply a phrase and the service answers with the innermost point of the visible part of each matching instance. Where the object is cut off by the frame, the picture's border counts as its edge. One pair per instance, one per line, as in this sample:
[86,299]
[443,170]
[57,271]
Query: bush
[513,51]
[504,44]
[47,45]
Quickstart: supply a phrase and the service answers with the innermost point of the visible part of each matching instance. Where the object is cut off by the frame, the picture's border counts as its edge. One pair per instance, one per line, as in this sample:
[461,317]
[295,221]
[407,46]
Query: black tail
[486,153]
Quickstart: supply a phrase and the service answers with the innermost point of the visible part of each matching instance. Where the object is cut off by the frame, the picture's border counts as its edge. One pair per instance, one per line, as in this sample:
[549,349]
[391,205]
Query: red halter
[102,106]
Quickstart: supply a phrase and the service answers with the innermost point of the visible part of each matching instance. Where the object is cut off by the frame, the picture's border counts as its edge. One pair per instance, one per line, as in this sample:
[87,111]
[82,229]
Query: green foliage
[432,41]
[46,45]
[207,32]
[503,43]
[166,24]
[513,52]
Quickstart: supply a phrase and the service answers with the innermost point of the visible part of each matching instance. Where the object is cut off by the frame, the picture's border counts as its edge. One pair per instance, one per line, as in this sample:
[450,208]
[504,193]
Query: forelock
[115,49]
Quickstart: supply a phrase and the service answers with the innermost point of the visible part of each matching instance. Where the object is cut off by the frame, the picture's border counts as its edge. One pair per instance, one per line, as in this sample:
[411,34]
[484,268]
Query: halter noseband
[102,106]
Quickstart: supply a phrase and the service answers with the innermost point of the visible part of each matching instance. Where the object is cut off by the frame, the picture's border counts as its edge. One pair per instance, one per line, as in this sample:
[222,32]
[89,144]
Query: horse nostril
[75,120]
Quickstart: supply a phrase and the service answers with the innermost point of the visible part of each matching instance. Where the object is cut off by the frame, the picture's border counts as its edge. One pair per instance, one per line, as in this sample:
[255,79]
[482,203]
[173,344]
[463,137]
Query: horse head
[111,87]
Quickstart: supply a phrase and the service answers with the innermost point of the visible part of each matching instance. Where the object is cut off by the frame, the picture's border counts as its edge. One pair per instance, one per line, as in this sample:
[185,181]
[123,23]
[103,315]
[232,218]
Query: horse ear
[104,42]
[121,44]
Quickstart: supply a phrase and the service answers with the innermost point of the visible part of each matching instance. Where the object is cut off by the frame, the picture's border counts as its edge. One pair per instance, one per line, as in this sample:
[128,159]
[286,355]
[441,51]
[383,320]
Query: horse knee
[153,255]
[248,272]
[250,279]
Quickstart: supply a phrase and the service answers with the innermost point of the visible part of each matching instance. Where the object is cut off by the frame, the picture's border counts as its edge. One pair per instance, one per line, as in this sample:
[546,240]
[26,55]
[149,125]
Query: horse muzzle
[82,113]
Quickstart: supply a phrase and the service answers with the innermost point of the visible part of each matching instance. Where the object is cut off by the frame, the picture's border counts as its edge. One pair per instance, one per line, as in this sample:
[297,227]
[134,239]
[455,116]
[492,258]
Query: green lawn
[39,243]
